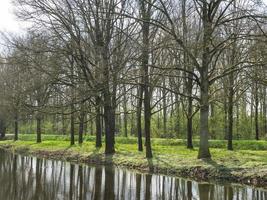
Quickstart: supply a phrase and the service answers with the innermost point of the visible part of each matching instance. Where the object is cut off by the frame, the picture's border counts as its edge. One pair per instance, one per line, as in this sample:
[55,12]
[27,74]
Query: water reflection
[27,178]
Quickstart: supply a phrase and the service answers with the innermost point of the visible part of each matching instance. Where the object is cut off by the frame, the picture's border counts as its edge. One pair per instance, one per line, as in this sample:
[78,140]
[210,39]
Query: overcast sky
[8,21]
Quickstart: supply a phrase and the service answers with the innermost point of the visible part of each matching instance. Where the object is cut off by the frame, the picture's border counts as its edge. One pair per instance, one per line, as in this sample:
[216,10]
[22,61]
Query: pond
[30,178]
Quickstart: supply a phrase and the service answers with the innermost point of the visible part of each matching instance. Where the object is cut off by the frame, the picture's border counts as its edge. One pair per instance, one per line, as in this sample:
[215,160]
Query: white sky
[9,22]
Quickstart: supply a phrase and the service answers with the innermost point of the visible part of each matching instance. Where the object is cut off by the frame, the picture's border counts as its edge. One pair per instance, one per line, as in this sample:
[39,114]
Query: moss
[245,166]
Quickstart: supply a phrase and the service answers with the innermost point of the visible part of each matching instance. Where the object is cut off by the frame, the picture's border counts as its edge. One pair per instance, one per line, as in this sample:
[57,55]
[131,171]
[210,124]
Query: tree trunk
[16,127]
[139,118]
[230,114]
[204,87]
[177,121]
[164,109]
[145,9]
[189,131]
[225,117]
[108,118]
[147,116]
[190,116]
[38,129]
[125,112]
[256,112]
[204,117]
[237,118]
[72,126]
[63,124]
[264,107]
[98,120]
[85,124]
[2,128]
[188,81]
[81,125]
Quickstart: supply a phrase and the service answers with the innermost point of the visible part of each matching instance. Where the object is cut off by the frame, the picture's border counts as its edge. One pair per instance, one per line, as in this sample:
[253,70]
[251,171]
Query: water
[29,178]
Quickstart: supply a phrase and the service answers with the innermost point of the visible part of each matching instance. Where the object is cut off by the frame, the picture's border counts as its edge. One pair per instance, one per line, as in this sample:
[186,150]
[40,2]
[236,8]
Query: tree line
[162,68]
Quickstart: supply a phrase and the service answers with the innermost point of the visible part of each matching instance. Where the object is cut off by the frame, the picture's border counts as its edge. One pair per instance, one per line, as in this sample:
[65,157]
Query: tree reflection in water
[24,178]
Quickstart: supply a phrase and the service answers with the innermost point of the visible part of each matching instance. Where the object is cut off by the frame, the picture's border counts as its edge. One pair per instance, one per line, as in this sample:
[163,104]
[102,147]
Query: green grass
[169,150]
[247,160]
[222,144]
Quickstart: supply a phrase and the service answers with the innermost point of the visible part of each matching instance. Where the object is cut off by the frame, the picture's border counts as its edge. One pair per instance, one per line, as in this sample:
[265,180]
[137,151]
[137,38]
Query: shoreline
[212,173]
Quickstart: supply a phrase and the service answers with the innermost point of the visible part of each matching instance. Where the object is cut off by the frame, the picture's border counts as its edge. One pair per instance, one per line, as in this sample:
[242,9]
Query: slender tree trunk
[188,81]
[118,119]
[164,108]
[81,124]
[2,128]
[264,107]
[125,120]
[85,124]
[251,112]
[38,129]
[147,116]
[231,101]
[16,126]
[225,118]
[212,119]
[171,113]
[159,118]
[63,124]
[190,115]
[145,9]
[256,112]
[190,126]
[139,118]
[132,132]
[237,119]
[98,125]
[72,126]
[102,121]
[177,109]
[230,115]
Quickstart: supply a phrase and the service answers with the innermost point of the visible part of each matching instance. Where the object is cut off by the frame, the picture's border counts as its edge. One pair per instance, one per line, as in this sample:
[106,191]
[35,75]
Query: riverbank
[170,157]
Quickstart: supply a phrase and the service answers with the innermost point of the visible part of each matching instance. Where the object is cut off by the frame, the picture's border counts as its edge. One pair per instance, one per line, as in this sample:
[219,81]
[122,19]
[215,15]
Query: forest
[137,77]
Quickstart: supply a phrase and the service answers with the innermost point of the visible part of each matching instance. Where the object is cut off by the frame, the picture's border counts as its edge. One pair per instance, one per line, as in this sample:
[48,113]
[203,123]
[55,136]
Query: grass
[222,144]
[170,156]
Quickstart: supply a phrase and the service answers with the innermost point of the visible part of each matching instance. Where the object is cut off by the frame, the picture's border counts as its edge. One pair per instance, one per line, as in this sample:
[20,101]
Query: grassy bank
[246,164]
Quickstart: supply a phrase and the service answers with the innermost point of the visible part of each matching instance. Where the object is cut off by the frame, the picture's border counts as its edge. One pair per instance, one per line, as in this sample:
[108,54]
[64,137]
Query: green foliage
[32,137]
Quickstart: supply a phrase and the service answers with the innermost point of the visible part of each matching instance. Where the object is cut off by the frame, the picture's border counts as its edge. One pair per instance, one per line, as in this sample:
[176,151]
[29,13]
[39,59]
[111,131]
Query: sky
[9,22]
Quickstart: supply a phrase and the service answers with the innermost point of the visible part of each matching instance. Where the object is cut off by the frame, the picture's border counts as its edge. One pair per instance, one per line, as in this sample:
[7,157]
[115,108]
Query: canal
[30,178]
